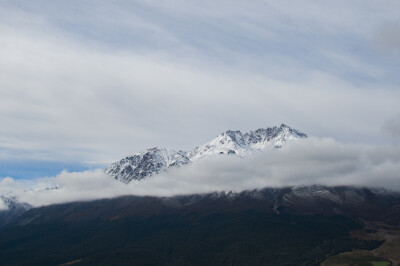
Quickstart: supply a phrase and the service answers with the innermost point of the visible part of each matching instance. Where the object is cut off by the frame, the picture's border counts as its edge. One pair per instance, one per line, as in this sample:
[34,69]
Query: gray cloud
[392,126]
[387,38]
[312,161]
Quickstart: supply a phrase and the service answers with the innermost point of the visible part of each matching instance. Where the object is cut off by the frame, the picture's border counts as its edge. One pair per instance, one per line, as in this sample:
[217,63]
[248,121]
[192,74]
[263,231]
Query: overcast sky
[85,83]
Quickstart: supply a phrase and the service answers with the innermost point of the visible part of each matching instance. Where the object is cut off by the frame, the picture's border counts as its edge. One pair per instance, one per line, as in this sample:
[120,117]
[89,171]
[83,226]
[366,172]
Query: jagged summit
[146,163]
[229,142]
[243,145]
[155,160]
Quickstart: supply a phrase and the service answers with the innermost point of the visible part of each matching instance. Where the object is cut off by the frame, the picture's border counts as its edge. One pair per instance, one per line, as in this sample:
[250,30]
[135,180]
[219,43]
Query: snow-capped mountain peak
[232,142]
[146,163]
[275,136]
[243,145]
[229,142]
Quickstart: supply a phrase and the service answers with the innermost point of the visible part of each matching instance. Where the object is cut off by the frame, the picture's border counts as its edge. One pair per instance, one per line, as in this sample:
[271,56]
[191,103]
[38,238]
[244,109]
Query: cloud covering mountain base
[307,162]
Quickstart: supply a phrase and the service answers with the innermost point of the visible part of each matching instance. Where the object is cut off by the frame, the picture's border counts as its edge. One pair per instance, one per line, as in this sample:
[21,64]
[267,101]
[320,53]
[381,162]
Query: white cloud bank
[306,162]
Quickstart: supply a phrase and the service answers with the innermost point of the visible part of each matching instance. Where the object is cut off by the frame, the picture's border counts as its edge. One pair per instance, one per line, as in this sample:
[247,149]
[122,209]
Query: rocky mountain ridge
[155,160]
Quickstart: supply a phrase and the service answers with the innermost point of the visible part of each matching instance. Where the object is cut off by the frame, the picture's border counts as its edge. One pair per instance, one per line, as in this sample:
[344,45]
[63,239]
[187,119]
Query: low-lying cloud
[3,206]
[306,162]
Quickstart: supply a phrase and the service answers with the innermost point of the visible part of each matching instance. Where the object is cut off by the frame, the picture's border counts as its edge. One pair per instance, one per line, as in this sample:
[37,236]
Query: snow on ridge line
[244,145]
[155,160]
[146,163]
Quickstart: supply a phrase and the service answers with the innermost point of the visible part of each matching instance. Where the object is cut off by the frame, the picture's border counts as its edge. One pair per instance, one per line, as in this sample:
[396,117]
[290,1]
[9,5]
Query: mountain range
[155,160]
